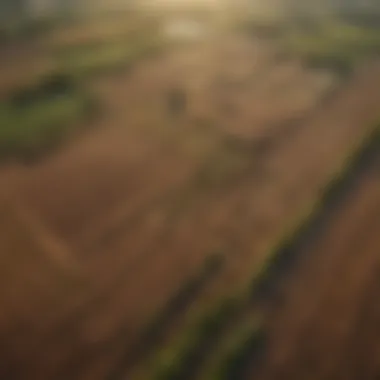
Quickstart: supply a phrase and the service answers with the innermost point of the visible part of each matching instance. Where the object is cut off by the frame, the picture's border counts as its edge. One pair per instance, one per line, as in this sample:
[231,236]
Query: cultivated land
[334,333]
[158,211]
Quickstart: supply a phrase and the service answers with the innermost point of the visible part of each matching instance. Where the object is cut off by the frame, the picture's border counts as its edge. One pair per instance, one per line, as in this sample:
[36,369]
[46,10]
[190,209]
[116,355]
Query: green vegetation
[102,58]
[187,292]
[94,60]
[364,150]
[361,18]
[47,87]
[333,45]
[26,29]
[180,360]
[155,330]
[280,257]
[236,352]
[263,27]
[332,41]
[38,118]
[186,355]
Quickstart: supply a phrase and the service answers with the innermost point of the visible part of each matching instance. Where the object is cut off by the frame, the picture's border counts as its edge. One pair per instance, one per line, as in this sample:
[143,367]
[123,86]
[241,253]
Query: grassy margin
[179,359]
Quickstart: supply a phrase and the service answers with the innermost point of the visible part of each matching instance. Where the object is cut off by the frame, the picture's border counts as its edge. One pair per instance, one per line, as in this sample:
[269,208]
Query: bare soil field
[323,320]
[135,206]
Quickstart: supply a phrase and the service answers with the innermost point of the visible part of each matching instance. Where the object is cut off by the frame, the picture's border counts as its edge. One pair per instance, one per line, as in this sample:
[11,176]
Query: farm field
[334,334]
[167,202]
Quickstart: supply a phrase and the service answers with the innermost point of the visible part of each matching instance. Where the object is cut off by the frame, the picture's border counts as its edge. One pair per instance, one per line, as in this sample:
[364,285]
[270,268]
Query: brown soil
[324,321]
[136,219]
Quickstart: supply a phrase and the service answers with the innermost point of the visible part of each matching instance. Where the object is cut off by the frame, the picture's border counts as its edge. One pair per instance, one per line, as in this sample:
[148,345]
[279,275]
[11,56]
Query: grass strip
[29,131]
[105,58]
[183,296]
[235,353]
[281,256]
[154,331]
[181,360]
[231,366]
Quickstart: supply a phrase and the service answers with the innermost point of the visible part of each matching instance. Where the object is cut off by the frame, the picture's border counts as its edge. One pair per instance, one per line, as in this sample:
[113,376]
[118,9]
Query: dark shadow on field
[340,189]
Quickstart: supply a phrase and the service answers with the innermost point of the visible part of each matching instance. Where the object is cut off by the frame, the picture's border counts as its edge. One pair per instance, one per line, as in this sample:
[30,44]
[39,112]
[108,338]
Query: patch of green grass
[30,130]
[353,161]
[155,330]
[38,116]
[184,295]
[105,57]
[25,29]
[92,61]
[329,43]
[369,19]
[179,360]
[333,45]
[235,354]
[48,86]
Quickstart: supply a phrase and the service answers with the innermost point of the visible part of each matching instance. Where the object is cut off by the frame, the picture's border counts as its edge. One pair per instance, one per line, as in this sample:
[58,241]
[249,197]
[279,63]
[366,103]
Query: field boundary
[209,326]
